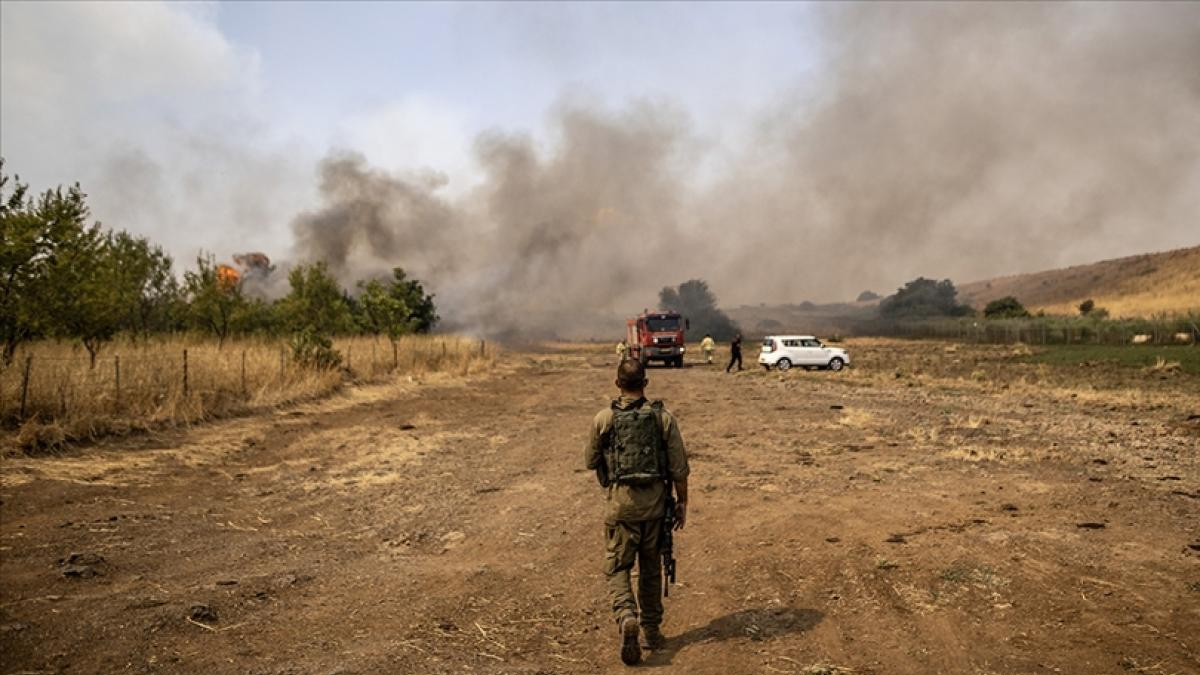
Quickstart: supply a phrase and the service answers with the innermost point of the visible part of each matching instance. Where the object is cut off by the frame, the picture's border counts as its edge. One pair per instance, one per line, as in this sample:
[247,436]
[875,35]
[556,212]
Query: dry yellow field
[144,384]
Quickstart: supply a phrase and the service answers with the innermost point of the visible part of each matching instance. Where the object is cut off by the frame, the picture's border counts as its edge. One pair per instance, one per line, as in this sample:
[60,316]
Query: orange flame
[227,277]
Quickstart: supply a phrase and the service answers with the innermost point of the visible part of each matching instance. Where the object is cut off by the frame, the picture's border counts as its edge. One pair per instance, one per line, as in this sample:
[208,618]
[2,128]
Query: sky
[784,152]
[224,108]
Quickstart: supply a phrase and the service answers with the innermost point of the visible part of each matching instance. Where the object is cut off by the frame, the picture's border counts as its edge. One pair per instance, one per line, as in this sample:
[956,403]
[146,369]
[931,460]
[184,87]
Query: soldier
[637,452]
[707,346]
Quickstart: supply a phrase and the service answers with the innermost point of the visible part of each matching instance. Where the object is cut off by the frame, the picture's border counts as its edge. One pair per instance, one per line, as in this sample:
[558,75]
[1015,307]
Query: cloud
[156,113]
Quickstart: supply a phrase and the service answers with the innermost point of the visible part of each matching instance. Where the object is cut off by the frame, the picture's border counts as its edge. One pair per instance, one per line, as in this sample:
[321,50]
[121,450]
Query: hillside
[1135,286]
[1140,285]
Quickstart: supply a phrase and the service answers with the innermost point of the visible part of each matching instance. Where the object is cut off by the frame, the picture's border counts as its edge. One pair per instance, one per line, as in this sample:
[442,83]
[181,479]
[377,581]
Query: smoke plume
[946,140]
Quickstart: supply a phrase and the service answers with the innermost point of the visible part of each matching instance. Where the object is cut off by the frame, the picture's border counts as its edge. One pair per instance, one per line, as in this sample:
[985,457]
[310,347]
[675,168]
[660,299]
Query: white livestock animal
[1183,338]
[1140,339]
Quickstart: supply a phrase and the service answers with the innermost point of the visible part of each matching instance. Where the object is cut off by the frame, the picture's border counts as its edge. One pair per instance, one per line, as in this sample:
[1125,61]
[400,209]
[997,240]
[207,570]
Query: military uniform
[633,520]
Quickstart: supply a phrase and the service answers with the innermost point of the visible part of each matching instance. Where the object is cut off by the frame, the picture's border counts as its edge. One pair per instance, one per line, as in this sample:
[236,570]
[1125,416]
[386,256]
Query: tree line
[924,298]
[64,277]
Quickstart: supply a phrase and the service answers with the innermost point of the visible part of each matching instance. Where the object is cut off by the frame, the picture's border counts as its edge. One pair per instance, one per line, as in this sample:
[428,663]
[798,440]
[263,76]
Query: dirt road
[904,517]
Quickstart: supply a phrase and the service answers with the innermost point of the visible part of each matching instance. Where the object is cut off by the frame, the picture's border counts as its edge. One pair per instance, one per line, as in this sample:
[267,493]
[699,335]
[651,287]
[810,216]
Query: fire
[227,277]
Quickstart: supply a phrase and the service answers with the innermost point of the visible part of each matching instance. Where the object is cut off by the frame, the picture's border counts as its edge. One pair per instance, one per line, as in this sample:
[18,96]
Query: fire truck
[657,336]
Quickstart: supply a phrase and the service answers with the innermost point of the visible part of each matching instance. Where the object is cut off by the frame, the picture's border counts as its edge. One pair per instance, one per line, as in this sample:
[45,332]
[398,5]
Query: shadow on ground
[750,624]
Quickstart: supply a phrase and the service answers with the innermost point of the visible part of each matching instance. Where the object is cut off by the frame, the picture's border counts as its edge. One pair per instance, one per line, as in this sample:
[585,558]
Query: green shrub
[311,349]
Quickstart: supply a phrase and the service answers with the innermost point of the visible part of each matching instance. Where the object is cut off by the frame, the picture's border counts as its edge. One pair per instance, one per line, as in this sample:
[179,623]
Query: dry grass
[1137,286]
[856,419]
[1162,365]
[138,385]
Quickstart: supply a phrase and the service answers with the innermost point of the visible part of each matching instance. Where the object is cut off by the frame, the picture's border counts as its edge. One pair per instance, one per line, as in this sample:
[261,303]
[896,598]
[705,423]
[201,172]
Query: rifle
[667,543]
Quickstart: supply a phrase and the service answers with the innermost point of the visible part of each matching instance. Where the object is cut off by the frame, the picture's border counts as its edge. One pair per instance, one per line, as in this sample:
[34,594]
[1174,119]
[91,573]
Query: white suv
[785,351]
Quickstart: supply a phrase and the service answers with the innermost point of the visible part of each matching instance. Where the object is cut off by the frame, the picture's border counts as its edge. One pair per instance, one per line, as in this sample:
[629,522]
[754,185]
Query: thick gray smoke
[548,244]
[962,141]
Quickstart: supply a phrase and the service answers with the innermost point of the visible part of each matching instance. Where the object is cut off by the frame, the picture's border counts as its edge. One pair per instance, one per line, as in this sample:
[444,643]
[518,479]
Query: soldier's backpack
[637,454]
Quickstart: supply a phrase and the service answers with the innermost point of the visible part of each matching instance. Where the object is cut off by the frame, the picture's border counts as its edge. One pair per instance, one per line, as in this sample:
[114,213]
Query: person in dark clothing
[735,352]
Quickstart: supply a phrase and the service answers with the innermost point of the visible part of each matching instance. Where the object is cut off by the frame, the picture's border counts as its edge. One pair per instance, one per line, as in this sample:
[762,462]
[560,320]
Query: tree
[315,302]
[23,247]
[1086,306]
[36,239]
[867,296]
[149,289]
[90,295]
[213,306]
[696,302]
[1007,307]
[71,288]
[395,307]
[923,298]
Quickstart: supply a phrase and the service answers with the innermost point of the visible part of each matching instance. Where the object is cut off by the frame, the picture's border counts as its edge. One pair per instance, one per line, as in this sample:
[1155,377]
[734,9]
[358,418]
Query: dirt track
[939,522]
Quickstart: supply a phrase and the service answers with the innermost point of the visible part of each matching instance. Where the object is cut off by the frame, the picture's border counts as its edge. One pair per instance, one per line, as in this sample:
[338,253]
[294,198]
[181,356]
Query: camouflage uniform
[633,521]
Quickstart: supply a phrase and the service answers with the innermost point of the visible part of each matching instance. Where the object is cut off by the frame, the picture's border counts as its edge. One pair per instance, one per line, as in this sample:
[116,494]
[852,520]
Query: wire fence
[182,382]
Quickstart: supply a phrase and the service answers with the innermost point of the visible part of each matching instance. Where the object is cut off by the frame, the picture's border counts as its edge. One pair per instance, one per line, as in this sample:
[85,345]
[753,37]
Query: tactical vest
[637,454]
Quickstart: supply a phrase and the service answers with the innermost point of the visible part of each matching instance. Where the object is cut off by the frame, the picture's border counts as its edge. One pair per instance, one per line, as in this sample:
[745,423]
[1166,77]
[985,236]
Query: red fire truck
[657,336]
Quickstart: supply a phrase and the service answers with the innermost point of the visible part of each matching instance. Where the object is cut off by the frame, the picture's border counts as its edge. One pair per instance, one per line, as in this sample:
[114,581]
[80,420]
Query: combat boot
[653,638]
[631,651]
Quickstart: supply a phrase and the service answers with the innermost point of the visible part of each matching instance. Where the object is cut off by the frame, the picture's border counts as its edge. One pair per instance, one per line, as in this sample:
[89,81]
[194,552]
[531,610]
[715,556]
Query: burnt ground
[937,509]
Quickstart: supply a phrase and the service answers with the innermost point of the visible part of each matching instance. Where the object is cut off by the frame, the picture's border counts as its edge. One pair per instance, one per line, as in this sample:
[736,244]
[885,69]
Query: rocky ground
[936,509]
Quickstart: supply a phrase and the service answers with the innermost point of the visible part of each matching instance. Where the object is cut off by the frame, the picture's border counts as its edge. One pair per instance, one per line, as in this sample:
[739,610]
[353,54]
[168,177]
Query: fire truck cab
[657,336]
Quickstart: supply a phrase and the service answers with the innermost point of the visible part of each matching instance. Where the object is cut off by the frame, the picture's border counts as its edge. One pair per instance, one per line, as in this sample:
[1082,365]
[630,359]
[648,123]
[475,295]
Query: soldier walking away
[707,346]
[622,350]
[637,453]
[735,352]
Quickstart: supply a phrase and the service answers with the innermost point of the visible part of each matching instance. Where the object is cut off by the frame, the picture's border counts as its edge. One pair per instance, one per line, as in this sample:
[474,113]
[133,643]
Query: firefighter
[707,346]
[622,351]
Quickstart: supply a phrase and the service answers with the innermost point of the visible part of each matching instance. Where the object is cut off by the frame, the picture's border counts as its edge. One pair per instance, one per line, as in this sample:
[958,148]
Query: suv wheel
[783,364]
[835,364]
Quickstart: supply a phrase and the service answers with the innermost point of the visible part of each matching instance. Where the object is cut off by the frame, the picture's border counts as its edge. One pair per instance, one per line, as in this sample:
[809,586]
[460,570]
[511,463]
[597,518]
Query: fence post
[482,348]
[185,374]
[281,364]
[372,357]
[395,356]
[244,392]
[117,376]
[25,383]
